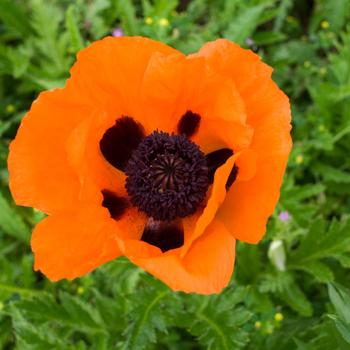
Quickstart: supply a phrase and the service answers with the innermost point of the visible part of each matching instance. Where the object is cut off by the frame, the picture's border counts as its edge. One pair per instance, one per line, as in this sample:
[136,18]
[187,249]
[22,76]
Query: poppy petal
[195,273]
[84,154]
[38,163]
[112,69]
[249,204]
[216,198]
[175,84]
[68,245]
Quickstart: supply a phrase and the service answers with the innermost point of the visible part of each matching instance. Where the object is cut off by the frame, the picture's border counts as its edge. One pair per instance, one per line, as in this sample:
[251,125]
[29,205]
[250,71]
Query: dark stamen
[189,124]
[167,176]
[164,235]
[116,205]
[119,141]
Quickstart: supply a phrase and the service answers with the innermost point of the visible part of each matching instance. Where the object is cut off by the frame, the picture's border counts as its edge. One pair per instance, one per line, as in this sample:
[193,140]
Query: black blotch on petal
[216,159]
[163,234]
[189,124]
[119,141]
[232,177]
[116,205]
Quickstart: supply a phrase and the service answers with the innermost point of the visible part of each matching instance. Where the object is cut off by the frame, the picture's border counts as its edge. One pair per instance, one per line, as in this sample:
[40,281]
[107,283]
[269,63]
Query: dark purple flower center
[167,176]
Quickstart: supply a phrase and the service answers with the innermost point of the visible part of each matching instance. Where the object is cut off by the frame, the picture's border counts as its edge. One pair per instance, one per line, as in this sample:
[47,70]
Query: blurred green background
[290,291]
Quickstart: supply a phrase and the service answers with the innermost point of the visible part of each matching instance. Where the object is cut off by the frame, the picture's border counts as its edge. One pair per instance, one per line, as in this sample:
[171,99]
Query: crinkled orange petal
[169,84]
[69,245]
[206,268]
[249,204]
[38,165]
[174,84]
[111,71]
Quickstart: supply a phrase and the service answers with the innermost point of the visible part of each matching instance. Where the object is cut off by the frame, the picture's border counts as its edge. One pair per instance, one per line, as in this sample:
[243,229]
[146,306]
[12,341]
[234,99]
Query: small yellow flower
[323,70]
[321,128]
[163,22]
[80,290]
[324,24]
[10,108]
[257,325]
[299,159]
[149,20]
[269,330]
[278,317]
[307,64]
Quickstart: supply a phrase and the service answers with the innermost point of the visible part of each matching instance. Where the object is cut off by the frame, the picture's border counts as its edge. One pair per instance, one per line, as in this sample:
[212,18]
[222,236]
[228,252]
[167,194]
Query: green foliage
[340,298]
[276,300]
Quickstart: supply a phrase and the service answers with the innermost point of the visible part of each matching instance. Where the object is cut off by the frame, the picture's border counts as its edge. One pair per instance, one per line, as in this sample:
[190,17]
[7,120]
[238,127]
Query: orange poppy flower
[161,157]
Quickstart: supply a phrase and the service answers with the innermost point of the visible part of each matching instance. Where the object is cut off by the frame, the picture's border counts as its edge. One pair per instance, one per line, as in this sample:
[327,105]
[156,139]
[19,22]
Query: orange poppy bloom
[161,157]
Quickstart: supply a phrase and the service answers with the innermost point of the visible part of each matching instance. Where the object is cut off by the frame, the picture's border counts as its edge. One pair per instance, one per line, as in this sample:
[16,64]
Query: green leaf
[297,299]
[244,24]
[146,318]
[319,243]
[319,270]
[11,222]
[268,38]
[30,337]
[73,312]
[15,18]
[330,173]
[335,12]
[218,320]
[344,259]
[126,12]
[340,298]
[343,328]
[72,26]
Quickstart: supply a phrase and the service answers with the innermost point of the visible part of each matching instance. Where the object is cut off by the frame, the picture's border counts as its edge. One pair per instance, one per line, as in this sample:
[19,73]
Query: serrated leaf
[297,300]
[81,313]
[340,298]
[73,312]
[218,325]
[343,328]
[321,243]
[330,173]
[15,18]
[319,270]
[76,40]
[30,337]
[147,319]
